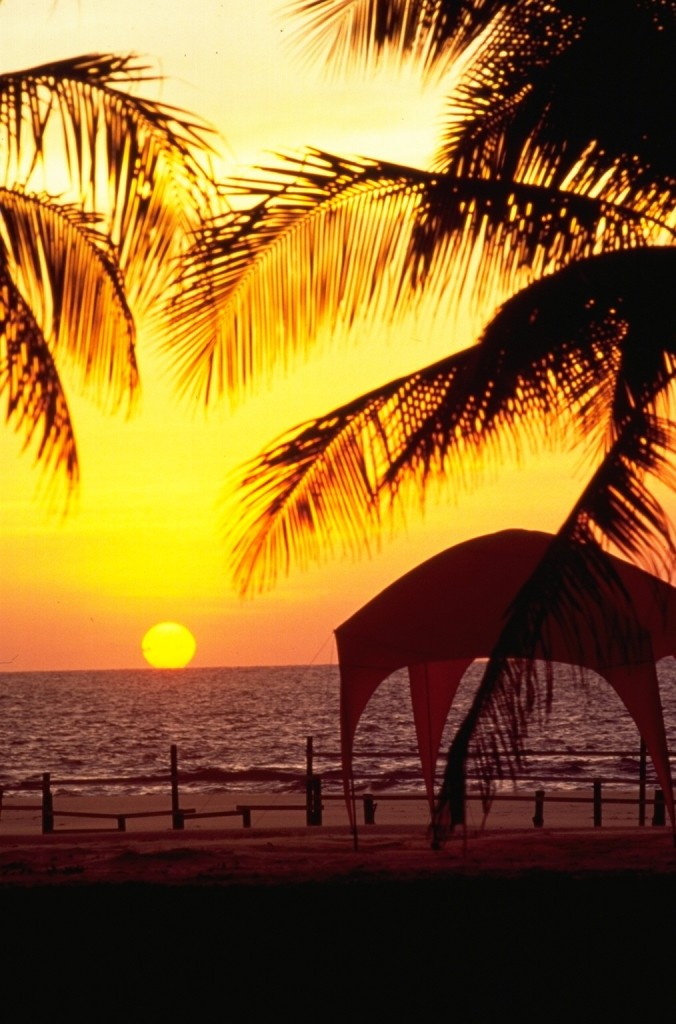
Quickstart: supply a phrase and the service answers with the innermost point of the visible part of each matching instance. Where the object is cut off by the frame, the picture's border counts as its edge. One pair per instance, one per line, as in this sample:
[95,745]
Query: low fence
[596,801]
[313,805]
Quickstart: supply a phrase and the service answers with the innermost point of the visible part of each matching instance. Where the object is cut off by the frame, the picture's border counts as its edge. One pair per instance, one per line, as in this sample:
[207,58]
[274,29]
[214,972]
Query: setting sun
[168,645]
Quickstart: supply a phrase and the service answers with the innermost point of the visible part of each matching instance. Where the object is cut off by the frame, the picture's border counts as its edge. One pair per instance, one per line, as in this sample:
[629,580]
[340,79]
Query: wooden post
[176,816]
[313,800]
[2,793]
[658,808]
[539,816]
[642,770]
[47,805]
[246,817]
[369,809]
[313,788]
[598,804]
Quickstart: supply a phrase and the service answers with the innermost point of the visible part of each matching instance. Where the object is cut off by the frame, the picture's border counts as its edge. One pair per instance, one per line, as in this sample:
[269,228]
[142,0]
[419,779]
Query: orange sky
[145,540]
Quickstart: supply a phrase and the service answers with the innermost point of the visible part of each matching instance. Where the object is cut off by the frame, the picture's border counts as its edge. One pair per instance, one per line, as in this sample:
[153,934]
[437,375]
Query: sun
[168,645]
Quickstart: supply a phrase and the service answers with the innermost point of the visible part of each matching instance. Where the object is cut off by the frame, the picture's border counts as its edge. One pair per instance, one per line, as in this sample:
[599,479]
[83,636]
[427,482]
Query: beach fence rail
[313,805]
[597,799]
[177,814]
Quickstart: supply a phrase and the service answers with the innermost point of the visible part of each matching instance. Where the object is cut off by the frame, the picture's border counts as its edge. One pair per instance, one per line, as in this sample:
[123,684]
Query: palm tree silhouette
[100,189]
[549,206]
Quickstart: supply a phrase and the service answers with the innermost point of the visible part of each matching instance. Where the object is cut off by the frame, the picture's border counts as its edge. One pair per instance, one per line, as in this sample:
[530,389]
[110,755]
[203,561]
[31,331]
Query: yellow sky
[145,539]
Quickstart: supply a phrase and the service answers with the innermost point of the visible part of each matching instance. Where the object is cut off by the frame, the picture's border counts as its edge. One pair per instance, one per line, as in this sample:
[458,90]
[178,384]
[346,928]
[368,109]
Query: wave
[246,730]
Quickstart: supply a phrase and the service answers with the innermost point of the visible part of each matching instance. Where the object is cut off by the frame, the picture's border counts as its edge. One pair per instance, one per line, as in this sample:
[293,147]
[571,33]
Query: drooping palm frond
[358,34]
[327,242]
[576,351]
[617,508]
[36,406]
[67,275]
[62,304]
[573,574]
[139,163]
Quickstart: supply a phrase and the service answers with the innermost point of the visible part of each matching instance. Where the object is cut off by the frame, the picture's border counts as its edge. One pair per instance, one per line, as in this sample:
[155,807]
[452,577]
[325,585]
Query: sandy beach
[214,848]
[285,918]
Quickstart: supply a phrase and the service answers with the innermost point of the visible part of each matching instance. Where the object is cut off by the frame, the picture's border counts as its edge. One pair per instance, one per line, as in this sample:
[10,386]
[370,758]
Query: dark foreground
[313,930]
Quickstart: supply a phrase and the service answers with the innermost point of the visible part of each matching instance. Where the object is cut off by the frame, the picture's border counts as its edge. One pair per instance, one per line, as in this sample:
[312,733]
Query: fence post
[598,804]
[539,816]
[176,816]
[313,800]
[47,805]
[313,788]
[369,809]
[658,808]
[2,793]
[642,771]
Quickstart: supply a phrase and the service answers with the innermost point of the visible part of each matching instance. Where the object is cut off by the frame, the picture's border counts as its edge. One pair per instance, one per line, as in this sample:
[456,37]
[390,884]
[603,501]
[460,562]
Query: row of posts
[659,807]
[313,793]
[313,797]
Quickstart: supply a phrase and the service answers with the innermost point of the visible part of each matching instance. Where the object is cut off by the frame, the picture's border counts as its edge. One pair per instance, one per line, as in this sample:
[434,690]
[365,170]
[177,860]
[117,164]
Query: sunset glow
[146,537]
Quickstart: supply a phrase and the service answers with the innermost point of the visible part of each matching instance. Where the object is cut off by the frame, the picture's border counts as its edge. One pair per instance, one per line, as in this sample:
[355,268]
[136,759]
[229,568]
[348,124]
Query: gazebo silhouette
[440,617]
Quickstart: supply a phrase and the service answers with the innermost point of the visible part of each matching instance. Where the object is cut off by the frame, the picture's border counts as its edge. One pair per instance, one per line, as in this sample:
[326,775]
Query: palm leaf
[36,406]
[349,35]
[537,103]
[67,276]
[570,356]
[491,237]
[142,163]
[616,505]
[321,240]
[261,284]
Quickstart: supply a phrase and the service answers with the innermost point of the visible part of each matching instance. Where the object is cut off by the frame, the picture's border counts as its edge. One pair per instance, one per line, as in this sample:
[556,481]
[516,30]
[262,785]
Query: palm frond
[143,164]
[326,243]
[491,237]
[36,406]
[571,356]
[616,506]
[322,239]
[482,132]
[311,491]
[537,103]
[357,35]
[69,279]
[335,481]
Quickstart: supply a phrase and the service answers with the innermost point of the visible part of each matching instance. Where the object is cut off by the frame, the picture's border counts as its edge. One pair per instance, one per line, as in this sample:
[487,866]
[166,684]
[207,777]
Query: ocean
[246,730]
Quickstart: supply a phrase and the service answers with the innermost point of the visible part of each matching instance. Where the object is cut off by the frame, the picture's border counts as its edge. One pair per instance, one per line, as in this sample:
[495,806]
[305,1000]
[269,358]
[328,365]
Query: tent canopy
[438,618]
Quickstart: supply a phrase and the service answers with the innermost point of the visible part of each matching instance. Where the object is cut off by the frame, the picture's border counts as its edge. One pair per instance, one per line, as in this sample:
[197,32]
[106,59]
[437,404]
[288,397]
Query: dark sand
[571,924]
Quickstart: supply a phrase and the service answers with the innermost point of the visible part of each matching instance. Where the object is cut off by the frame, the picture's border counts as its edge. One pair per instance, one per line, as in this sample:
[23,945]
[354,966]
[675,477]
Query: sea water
[246,729]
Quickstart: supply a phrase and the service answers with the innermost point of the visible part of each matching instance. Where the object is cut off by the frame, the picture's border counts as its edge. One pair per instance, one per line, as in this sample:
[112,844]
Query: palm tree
[100,190]
[549,206]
